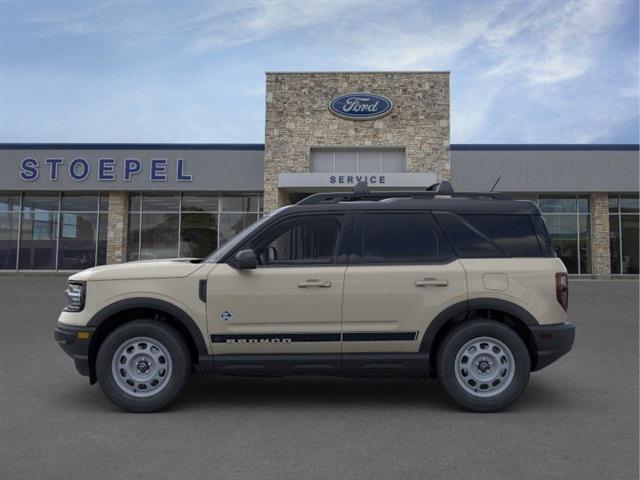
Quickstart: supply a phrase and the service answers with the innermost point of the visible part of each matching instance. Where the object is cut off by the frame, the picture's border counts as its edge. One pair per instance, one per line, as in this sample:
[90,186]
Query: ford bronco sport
[464,287]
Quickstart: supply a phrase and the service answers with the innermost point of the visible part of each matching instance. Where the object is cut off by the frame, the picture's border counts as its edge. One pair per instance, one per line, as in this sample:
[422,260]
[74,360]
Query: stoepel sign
[360,106]
[107,169]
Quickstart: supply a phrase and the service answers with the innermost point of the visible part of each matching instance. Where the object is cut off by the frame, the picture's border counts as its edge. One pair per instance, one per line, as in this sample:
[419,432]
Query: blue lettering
[53,167]
[383,179]
[341,179]
[132,166]
[106,169]
[158,169]
[349,179]
[180,175]
[373,179]
[79,174]
[332,179]
[29,169]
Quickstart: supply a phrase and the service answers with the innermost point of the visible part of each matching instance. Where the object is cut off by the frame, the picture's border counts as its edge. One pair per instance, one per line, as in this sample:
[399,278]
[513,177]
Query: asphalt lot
[577,419]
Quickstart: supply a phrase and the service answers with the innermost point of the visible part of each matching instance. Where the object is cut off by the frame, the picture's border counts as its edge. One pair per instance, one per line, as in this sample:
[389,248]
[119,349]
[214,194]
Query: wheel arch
[502,311]
[123,311]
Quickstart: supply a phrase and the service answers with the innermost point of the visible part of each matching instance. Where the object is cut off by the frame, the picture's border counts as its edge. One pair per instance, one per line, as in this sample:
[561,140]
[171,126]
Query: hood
[166,268]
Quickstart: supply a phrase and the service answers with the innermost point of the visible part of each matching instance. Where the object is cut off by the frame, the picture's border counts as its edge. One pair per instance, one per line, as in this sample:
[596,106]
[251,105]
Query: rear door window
[394,238]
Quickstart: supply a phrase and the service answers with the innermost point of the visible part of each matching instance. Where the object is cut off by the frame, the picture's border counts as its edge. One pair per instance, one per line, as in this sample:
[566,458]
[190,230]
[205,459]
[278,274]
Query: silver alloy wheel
[484,367]
[141,366]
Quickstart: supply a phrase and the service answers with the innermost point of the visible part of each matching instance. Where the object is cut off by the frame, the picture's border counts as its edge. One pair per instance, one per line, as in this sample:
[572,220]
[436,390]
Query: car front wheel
[143,365]
[483,365]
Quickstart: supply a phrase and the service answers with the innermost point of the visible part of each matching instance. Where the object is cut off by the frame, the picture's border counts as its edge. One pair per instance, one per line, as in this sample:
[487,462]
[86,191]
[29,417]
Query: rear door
[402,275]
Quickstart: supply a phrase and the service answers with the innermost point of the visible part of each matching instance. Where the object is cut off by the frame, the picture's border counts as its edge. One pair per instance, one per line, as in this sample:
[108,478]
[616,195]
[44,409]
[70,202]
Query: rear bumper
[75,343]
[552,342]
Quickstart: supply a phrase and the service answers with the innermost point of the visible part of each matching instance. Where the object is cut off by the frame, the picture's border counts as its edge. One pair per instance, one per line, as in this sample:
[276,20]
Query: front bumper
[552,342]
[75,343]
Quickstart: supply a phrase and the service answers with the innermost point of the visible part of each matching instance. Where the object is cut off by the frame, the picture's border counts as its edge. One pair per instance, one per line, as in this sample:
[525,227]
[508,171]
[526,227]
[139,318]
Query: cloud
[521,71]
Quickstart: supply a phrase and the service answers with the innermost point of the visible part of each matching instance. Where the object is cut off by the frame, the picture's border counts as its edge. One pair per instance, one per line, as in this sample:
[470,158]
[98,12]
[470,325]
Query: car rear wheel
[143,365]
[483,365]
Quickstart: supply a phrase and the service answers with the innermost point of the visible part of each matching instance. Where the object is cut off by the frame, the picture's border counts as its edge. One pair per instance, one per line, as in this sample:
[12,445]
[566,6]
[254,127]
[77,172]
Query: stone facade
[600,247]
[117,227]
[298,119]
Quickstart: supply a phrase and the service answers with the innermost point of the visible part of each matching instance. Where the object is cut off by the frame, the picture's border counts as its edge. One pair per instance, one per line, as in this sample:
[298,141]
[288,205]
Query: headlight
[74,295]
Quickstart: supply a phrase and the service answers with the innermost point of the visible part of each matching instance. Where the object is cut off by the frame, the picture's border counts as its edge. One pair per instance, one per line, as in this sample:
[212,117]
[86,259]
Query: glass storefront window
[9,224]
[79,202]
[187,225]
[38,240]
[564,233]
[200,202]
[159,236]
[239,203]
[569,222]
[198,234]
[558,204]
[233,223]
[133,236]
[154,202]
[9,202]
[78,234]
[52,231]
[624,240]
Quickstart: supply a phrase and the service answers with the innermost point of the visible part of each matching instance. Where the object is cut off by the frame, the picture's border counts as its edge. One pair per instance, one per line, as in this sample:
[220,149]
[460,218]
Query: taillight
[562,290]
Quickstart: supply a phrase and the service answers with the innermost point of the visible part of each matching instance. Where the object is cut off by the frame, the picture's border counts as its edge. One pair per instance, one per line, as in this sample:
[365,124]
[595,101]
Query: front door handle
[314,283]
[432,282]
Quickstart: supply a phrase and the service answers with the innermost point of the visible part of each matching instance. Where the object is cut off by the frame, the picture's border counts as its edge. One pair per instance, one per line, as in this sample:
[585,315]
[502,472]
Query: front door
[292,302]
[403,275]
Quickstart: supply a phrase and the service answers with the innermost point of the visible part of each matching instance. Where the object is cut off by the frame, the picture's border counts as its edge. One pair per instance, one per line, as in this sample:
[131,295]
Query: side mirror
[245,260]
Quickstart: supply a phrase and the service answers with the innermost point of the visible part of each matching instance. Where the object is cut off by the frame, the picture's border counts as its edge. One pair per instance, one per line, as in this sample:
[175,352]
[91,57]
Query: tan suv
[462,286]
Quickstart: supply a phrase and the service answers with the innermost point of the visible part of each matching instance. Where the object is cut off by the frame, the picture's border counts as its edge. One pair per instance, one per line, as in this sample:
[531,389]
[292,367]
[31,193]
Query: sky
[179,71]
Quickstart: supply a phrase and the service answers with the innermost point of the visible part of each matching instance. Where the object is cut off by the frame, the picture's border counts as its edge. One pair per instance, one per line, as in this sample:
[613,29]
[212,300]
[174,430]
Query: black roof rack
[361,193]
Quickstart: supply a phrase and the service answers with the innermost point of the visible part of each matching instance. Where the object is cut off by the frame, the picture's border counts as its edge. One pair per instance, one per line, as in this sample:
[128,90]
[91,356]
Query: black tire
[452,344]
[175,347]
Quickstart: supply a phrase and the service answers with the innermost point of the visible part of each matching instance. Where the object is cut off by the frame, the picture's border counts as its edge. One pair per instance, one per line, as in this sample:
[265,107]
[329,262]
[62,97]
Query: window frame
[357,239]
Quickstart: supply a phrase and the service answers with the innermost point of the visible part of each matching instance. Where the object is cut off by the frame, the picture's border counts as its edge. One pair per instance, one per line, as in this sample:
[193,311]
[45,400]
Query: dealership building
[72,206]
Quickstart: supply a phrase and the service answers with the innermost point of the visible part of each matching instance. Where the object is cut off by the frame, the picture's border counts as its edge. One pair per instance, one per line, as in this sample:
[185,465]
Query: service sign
[360,106]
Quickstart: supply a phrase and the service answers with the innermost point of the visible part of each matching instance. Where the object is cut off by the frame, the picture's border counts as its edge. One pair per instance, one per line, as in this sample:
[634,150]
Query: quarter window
[467,241]
[402,238]
[514,234]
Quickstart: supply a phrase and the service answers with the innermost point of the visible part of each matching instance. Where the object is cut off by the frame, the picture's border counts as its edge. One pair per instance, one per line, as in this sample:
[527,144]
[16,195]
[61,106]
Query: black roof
[438,197]
[456,205]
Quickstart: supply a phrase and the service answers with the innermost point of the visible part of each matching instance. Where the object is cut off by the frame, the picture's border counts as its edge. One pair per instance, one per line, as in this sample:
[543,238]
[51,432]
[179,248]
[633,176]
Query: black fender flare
[465,306]
[155,304]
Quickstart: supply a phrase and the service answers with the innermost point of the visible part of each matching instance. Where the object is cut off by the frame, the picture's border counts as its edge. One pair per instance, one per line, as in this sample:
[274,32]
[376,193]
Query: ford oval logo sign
[360,106]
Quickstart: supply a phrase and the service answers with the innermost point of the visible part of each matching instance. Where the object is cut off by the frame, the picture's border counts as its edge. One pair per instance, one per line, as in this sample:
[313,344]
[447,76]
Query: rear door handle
[432,282]
[313,283]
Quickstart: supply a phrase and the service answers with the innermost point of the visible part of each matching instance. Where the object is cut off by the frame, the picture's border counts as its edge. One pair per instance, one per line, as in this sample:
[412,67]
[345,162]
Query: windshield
[239,238]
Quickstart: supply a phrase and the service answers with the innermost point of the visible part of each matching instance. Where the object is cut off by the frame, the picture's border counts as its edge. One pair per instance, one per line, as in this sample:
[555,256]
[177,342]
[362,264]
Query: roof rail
[361,193]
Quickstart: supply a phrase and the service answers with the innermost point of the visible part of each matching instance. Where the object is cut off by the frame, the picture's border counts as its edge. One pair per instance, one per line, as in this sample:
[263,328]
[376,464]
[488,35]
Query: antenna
[496,183]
